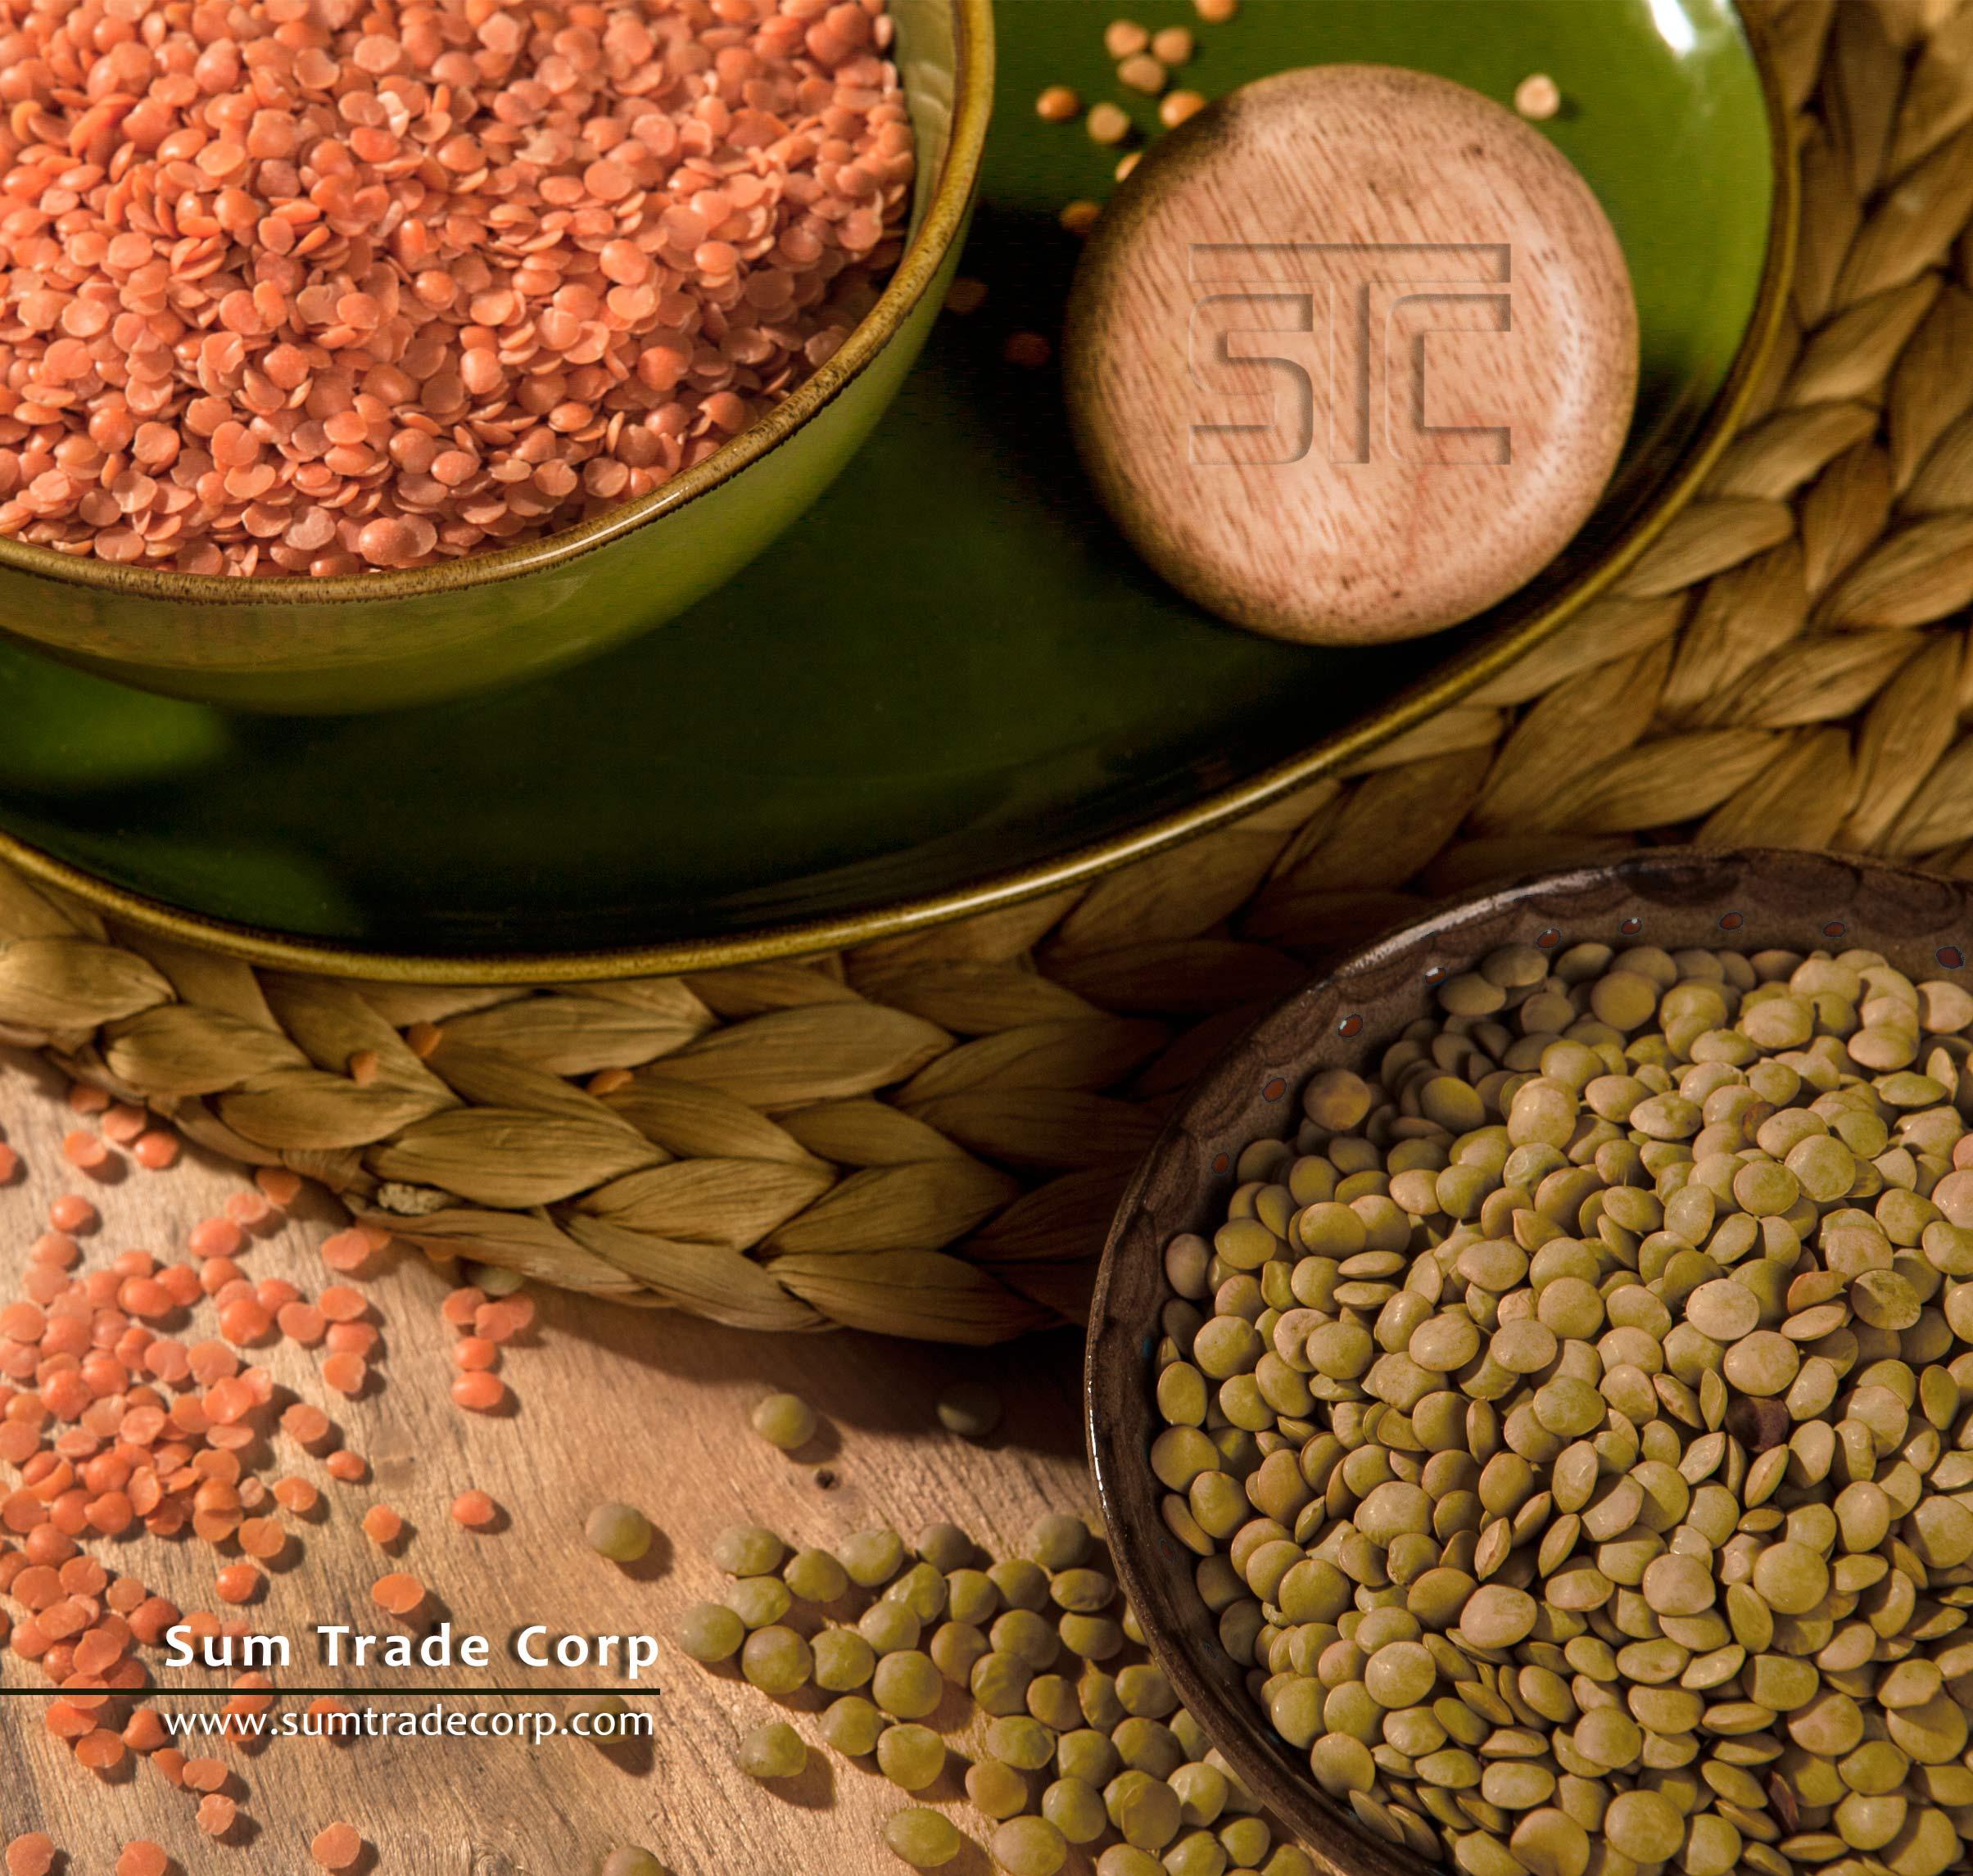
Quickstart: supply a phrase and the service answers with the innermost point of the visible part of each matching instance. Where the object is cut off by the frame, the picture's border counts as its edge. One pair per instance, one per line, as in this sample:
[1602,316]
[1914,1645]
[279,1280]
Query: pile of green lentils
[1572,1425]
[1075,1739]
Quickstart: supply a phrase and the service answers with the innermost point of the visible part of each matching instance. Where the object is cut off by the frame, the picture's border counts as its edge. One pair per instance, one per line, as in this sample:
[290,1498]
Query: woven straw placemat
[925,1135]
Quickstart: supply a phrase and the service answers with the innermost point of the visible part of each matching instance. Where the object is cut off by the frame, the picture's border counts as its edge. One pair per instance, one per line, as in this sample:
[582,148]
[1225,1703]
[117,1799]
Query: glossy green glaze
[949,680]
[386,641]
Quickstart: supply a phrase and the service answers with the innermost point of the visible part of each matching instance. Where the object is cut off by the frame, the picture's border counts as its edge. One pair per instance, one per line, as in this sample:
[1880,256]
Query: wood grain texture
[612,1402]
[1351,354]
[1743,900]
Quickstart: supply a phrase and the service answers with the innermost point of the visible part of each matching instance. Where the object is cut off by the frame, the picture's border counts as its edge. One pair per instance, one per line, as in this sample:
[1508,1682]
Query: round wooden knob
[1351,354]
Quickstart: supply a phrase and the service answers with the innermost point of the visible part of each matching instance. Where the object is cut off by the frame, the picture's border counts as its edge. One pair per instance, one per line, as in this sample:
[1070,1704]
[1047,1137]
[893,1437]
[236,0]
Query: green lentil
[970,1409]
[621,1533]
[998,1790]
[710,1632]
[774,1751]
[870,1558]
[759,1600]
[911,1756]
[1057,1541]
[852,1725]
[816,1576]
[776,1659]
[844,1660]
[922,1839]
[907,1685]
[747,1550]
[1029,1846]
[785,1421]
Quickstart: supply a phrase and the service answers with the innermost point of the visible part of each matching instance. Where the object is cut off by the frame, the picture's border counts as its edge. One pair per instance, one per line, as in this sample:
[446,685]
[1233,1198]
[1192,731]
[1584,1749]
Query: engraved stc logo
[1339,351]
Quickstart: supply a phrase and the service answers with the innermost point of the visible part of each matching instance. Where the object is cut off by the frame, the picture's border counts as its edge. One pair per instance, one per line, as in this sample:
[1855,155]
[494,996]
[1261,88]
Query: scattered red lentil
[1121,38]
[155,1151]
[613,242]
[216,1814]
[1057,104]
[203,1775]
[279,1184]
[71,1212]
[142,1858]
[31,1855]
[83,1099]
[350,1468]
[84,1150]
[480,1392]
[474,1509]
[9,1164]
[336,1847]
[400,1592]
[237,1583]
[382,1525]
[123,1123]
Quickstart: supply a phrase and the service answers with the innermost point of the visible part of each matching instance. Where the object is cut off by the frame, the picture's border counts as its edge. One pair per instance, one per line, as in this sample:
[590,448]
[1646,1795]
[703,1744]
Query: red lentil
[382,1525]
[480,1392]
[319,298]
[400,1592]
[237,1583]
[279,1184]
[155,1151]
[31,1855]
[336,1847]
[474,1509]
[71,1212]
[142,1858]
[216,1814]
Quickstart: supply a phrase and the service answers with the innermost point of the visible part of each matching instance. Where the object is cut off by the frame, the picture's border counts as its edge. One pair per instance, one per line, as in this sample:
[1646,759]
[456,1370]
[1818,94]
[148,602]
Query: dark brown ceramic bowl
[1749,900]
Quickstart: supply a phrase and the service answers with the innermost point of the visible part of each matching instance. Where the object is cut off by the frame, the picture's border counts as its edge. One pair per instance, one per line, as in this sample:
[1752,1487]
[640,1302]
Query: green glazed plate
[951,683]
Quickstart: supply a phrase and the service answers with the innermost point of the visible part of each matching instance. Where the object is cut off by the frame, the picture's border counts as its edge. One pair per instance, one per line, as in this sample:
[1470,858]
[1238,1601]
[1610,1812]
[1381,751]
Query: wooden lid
[1351,354]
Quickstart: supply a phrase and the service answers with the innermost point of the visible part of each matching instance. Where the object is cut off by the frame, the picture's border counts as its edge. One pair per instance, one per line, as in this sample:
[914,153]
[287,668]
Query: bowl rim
[259,945]
[1848,889]
[917,271]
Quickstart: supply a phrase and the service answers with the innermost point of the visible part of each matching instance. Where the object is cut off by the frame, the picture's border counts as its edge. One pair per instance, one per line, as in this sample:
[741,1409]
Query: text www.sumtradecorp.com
[437,1719]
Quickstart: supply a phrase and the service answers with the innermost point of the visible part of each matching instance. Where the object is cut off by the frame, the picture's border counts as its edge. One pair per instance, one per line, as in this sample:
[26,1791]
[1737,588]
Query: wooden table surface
[610,1403]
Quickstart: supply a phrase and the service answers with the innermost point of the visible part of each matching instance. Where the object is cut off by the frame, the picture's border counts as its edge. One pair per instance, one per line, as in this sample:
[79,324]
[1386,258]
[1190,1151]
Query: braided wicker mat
[926,1136]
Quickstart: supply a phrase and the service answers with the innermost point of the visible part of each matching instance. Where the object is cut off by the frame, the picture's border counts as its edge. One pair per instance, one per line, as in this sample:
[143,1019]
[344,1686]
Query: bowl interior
[1746,900]
[951,677]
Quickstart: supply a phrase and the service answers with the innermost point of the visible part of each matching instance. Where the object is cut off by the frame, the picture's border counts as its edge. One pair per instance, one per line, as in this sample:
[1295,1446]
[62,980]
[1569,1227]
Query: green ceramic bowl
[383,640]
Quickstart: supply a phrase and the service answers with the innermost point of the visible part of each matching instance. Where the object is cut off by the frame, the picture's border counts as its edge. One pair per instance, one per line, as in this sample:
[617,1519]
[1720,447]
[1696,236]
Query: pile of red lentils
[119,1415]
[312,286]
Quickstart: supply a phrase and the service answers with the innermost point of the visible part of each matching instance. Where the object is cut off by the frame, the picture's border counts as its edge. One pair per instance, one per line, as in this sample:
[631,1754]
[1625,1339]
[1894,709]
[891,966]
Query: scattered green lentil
[785,1421]
[907,1685]
[621,1533]
[631,1860]
[998,1790]
[872,1558]
[816,1576]
[711,1632]
[911,1756]
[970,1409]
[922,1839]
[1029,1846]
[776,1659]
[774,1751]
[747,1550]
[853,1726]
[844,1660]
